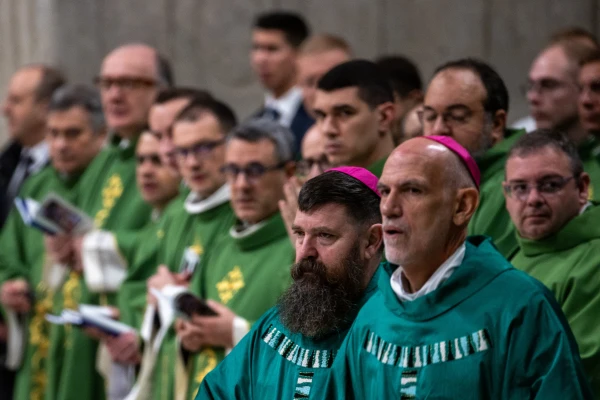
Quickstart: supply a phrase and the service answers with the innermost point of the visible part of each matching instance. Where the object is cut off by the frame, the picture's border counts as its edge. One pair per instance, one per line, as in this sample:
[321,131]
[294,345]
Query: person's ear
[467,200]
[583,184]
[387,114]
[498,126]
[374,241]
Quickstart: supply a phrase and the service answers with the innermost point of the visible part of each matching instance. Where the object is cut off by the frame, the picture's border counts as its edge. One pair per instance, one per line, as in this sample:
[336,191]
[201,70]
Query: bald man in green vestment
[558,237]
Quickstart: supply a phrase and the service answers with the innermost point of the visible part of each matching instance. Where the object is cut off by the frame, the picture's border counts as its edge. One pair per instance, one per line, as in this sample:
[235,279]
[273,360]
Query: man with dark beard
[338,241]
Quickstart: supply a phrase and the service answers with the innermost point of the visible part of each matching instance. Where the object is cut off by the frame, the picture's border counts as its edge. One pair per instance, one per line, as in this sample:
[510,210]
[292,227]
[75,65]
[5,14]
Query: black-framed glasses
[304,166]
[124,83]
[153,158]
[252,171]
[198,150]
[546,187]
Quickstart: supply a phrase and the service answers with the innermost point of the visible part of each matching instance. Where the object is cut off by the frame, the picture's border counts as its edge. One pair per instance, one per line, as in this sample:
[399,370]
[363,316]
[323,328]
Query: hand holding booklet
[54,215]
[91,316]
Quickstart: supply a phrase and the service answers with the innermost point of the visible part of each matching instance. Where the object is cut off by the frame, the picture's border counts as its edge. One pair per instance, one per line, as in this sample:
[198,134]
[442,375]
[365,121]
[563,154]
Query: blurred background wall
[208,40]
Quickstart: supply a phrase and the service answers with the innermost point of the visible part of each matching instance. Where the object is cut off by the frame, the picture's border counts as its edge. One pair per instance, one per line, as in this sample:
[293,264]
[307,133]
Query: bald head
[129,80]
[427,200]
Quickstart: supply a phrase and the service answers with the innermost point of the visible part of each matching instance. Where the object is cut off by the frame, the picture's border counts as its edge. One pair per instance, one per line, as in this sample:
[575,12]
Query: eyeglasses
[153,158]
[253,171]
[543,86]
[304,166]
[124,83]
[199,150]
[547,187]
[452,117]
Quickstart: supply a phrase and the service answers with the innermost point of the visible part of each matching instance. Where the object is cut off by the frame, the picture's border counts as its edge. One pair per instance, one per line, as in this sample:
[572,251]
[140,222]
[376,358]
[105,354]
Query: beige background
[208,40]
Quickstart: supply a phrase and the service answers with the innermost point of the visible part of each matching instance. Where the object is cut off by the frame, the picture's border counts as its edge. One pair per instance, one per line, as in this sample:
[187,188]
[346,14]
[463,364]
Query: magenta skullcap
[361,174]
[462,153]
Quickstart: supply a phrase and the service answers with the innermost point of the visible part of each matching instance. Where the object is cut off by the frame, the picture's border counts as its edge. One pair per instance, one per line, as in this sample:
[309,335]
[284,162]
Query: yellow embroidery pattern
[111,192]
[208,358]
[38,328]
[197,247]
[230,285]
[591,192]
[71,297]
[160,234]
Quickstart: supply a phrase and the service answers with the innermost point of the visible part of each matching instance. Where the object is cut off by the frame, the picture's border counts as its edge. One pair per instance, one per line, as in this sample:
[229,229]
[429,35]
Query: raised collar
[579,230]
[259,234]
[194,204]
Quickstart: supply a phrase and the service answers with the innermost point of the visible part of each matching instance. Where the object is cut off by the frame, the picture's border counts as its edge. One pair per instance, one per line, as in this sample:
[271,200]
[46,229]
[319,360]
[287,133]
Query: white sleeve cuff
[15,341]
[240,328]
[104,269]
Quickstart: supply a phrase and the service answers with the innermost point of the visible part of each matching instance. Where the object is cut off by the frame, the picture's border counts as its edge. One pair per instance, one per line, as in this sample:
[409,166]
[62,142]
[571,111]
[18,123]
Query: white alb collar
[438,277]
[194,204]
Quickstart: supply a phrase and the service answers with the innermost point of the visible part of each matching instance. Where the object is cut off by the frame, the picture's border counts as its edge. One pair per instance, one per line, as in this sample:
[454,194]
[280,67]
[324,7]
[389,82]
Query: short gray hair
[86,97]
[256,129]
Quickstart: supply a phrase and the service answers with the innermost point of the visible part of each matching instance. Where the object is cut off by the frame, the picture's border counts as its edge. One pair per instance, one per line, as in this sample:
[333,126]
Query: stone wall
[208,40]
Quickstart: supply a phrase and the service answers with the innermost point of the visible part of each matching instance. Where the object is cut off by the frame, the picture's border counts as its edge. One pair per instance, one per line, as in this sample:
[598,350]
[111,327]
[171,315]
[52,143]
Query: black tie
[271,114]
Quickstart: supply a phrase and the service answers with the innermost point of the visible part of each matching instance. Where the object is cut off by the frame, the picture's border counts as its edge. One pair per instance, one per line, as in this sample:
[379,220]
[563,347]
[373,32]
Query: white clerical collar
[247,230]
[39,154]
[585,207]
[438,277]
[287,105]
[195,204]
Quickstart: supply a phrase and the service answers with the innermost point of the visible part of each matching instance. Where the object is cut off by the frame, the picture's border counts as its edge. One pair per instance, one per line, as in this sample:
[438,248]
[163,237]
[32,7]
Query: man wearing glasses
[467,100]
[188,231]
[129,80]
[248,269]
[546,193]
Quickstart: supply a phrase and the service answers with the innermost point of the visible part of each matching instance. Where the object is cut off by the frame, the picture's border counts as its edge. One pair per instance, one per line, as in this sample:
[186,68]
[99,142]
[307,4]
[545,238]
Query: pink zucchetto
[361,174]
[462,153]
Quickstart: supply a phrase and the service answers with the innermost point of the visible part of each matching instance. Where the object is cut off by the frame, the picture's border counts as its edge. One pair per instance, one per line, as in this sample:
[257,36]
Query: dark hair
[373,88]
[591,58]
[51,80]
[361,203]
[256,129]
[201,104]
[497,94]
[88,98]
[402,73]
[291,24]
[173,93]
[164,70]
[542,138]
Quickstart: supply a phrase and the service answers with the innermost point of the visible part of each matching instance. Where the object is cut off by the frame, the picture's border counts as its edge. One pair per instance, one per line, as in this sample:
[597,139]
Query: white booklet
[53,215]
[91,316]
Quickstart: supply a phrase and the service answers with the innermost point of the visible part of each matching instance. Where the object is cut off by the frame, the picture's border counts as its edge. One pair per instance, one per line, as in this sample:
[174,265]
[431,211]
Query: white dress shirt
[39,156]
[286,105]
[438,277]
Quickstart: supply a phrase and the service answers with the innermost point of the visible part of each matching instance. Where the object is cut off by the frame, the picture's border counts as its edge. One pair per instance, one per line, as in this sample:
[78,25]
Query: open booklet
[91,316]
[54,215]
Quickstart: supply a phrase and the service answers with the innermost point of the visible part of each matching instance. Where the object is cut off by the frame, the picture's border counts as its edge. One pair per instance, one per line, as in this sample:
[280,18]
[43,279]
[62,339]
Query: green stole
[23,248]
[589,151]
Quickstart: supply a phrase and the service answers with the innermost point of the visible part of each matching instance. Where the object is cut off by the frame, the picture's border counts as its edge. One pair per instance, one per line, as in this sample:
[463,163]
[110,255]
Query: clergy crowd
[362,235]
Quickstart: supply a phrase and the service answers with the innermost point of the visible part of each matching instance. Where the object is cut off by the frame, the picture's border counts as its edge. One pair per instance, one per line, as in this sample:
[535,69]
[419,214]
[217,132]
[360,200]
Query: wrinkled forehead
[330,216]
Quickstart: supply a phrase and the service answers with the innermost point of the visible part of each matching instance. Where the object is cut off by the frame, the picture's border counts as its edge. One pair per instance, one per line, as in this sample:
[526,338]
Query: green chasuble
[377,167]
[23,247]
[589,151]
[186,232]
[488,332]
[247,272]
[273,362]
[109,195]
[491,218]
[568,263]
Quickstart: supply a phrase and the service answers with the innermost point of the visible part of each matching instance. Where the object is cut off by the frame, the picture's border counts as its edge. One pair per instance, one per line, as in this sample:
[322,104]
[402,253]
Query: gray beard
[318,305]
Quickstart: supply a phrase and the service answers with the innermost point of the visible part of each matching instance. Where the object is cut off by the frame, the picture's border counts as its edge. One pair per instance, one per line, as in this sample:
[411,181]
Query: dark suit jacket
[301,123]
[9,159]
